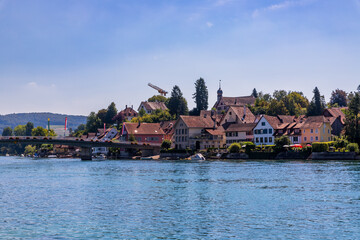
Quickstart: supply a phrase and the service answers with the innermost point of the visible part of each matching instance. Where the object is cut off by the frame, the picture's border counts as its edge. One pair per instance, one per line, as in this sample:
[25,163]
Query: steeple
[219,92]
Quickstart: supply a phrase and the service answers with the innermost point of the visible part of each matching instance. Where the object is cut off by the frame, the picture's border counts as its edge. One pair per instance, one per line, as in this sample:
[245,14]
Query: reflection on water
[67,198]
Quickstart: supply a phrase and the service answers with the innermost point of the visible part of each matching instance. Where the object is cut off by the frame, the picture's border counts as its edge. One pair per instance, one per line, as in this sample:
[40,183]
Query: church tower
[219,92]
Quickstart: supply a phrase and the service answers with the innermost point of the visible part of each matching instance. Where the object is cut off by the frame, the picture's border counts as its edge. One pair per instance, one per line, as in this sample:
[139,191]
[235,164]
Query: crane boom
[160,90]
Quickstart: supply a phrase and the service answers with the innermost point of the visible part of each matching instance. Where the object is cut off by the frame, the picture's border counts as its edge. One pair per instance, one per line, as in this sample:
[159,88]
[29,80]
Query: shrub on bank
[234,148]
[249,146]
[340,143]
[352,147]
[320,147]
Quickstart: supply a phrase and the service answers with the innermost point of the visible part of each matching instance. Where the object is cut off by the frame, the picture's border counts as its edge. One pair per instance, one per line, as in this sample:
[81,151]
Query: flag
[65,123]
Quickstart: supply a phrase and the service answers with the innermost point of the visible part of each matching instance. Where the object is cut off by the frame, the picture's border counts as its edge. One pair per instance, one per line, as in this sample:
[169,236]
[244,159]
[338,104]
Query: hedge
[320,147]
[234,148]
[353,147]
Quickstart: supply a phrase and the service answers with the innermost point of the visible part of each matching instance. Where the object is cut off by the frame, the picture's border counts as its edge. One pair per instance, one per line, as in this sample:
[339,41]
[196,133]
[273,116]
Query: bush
[269,148]
[341,143]
[249,146]
[234,148]
[353,147]
[280,142]
[166,144]
[320,147]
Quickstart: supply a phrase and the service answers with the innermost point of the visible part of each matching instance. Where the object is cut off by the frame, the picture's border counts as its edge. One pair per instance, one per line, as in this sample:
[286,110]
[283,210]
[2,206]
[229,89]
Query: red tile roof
[143,128]
[240,113]
[335,112]
[198,121]
[315,121]
[239,127]
[152,106]
[240,101]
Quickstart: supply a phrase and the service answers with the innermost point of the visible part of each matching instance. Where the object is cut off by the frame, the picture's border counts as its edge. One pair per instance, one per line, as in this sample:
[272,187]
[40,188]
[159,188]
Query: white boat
[198,157]
[52,156]
[100,157]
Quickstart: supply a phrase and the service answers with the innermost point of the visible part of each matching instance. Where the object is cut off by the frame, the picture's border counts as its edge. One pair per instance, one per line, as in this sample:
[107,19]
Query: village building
[108,135]
[223,103]
[150,107]
[126,115]
[265,129]
[315,129]
[143,132]
[238,123]
[337,119]
[198,132]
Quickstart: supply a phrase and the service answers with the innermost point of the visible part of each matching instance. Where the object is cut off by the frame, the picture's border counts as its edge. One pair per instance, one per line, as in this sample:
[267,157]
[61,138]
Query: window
[329,138]
[295,139]
[316,130]
[257,140]
[311,130]
[230,113]
[266,139]
[312,139]
[261,140]
[329,132]
[182,138]
[304,130]
[185,131]
[265,131]
[304,138]
[270,131]
[262,123]
[270,139]
[182,131]
[316,138]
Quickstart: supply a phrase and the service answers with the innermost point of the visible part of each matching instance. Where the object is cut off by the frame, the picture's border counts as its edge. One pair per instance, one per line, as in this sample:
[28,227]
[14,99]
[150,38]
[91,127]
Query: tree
[20,130]
[7,131]
[142,112]
[39,131]
[166,144]
[254,93]
[158,98]
[30,150]
[155,117]
[80,130]
[110,113]
[28,128]
[102,115]
[279,94]
[201,95]
[338,97]
[352,130]
[317,105]
[277,108]
[281,142]
[177,103]
[296,103]
[93,122]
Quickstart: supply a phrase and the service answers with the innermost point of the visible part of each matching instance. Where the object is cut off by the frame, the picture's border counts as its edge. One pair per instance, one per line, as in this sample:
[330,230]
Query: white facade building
[264,130]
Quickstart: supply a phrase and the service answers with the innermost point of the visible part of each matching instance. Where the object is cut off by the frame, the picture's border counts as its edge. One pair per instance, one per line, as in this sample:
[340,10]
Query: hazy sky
[78,56]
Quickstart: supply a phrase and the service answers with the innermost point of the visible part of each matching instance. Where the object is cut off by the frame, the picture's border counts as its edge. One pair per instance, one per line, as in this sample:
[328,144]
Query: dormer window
[262,123]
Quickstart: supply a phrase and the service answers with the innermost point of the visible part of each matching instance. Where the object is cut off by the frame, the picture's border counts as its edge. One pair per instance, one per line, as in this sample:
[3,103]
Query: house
[150,107]
[223,103]
[168,128]
[198,132]
[315,129]
[126,115]
[108,135]
[143,132]
[238,123]
[265,129]
[238,132]
[337,118]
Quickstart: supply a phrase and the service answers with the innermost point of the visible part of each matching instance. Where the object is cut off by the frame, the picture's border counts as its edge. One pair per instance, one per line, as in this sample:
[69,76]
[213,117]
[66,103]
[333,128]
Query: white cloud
[280,6]
[209,24]
[36,86]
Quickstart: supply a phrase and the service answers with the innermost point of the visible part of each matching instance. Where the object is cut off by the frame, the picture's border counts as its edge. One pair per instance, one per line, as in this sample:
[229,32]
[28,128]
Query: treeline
[23,130]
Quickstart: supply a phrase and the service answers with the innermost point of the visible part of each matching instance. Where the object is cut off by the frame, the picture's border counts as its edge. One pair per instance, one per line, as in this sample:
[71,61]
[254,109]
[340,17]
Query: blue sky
[77,56]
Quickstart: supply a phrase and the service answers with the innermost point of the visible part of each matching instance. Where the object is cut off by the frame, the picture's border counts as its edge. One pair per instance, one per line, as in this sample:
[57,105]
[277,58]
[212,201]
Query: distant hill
[40,119]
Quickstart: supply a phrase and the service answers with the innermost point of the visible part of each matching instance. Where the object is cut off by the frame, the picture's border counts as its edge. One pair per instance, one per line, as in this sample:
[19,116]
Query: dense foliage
[200,96]
[320,147]
[317,104]
[177,103]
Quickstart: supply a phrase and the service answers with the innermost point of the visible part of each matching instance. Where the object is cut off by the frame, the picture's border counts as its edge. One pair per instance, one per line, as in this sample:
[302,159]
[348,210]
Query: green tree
[317,105]
[142,112]
[39,131]
[7,131]
[255,93]
[28,128]
[177,103]
[20,130]
[201,95]
[158,98]
[279,94]
[93,122]
[352,130]
[166,144]
[281,142]
[101,114]
[296,103]
[30,150]
[338,97]
[234,148]
[277,108]
[110,114]
[155,117]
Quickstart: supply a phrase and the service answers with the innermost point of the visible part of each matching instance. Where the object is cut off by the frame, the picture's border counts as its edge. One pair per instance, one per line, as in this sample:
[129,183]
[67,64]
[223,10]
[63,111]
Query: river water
[71,199]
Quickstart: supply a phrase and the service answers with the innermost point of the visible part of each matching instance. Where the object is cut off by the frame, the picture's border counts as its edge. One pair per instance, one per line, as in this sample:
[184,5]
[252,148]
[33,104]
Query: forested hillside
[40,119]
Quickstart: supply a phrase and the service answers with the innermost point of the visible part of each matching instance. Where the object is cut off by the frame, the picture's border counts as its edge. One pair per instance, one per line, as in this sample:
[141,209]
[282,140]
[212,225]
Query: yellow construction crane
[161,91]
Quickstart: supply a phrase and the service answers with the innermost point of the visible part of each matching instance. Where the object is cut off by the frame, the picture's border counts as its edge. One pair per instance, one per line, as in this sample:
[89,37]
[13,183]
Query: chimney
[139,123]
[125,106]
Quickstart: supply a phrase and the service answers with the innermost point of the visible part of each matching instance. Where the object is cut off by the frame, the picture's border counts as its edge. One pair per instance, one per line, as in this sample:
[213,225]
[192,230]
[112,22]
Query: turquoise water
[70,199]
